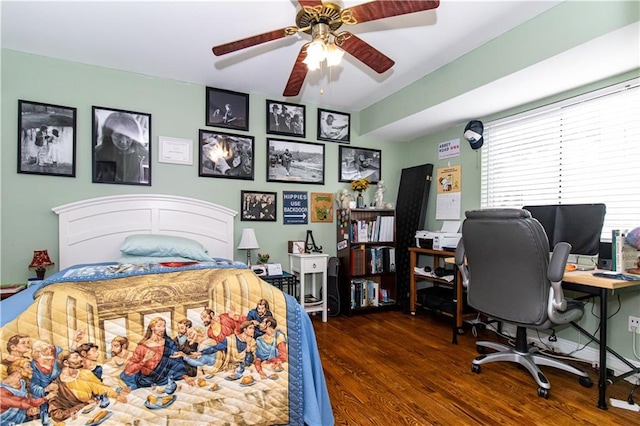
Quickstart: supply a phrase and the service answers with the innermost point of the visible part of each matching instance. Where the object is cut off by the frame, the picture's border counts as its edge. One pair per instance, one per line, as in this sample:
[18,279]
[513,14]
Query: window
[582,150]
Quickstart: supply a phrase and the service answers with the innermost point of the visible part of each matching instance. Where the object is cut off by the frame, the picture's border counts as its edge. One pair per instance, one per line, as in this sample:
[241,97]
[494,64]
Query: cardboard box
[296,247]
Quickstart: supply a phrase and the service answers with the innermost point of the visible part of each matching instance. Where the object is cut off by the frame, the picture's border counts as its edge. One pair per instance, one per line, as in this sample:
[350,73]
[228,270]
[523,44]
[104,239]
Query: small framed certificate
[175,150]
[274,269]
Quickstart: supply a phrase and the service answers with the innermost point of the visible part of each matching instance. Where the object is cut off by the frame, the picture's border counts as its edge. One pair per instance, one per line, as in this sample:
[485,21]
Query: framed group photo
[359,163]
[121,146]
[334,126]
[286,119]
[225,155]
[258,206]
[227,109]
[46,139]
[295,162]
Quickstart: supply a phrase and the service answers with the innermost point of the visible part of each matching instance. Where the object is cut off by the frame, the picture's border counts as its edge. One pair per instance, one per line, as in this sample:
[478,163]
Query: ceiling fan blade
[298,74]
[364,52]
[384,9]
[223,49]
[309,3]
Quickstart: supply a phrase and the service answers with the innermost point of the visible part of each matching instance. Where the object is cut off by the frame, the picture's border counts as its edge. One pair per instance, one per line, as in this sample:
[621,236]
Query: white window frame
[585,149]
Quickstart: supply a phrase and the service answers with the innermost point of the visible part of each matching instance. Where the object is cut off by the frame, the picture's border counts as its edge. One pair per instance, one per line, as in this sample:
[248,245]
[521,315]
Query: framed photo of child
[46,139]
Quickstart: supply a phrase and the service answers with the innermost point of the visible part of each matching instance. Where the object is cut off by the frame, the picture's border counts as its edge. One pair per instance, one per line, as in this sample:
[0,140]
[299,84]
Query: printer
[446,238]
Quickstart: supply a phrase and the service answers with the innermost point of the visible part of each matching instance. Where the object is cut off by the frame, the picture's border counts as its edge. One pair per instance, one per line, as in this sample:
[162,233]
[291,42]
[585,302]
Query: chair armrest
[460,262]
[555,273]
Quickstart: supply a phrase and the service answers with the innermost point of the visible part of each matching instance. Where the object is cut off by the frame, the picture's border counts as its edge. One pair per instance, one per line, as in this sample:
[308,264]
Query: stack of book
[625,257]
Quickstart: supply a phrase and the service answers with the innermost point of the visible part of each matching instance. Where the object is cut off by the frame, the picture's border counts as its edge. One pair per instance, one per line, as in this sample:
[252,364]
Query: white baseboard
[588,354]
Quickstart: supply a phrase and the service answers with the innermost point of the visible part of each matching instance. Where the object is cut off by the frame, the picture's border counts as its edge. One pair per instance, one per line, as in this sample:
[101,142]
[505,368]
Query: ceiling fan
[321,21]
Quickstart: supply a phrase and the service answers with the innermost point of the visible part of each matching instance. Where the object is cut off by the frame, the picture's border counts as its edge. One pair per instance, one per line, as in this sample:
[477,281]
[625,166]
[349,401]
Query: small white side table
[313,264]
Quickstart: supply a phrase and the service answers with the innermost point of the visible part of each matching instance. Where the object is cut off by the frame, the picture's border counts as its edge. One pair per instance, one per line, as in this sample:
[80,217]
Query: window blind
[581,150]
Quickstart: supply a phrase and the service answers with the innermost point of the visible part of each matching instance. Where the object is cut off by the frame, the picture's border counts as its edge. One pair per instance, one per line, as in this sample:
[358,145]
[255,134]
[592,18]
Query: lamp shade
[248,240]
[40,262]
[40,259]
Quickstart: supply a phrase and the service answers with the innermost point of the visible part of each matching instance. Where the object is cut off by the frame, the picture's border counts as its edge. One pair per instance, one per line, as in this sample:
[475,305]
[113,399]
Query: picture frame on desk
[274,269]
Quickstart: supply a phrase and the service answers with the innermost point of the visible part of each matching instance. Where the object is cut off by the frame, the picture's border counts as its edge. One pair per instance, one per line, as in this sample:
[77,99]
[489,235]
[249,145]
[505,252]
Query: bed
[194,350]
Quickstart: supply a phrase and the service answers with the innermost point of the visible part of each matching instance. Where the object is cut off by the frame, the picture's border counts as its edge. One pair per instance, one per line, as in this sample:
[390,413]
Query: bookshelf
[366,247]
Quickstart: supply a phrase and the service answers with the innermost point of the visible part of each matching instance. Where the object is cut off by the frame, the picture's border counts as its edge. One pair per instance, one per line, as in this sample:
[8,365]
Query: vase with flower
[359,186]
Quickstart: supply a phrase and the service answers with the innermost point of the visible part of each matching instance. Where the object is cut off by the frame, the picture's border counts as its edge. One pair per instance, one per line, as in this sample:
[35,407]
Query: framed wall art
[295,162]
[258,206]
[286,119]
[359,163]
[225,155]
[227,109]
[334,126]
[175,150]
[321,207]
[121,146]
[46,139]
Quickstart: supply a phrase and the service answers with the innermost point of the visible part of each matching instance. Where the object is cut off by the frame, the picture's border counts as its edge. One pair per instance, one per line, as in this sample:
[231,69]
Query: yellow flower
[360,185]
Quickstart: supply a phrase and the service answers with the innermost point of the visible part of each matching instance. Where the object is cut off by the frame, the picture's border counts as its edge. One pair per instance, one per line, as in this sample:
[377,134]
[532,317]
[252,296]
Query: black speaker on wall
[411,212]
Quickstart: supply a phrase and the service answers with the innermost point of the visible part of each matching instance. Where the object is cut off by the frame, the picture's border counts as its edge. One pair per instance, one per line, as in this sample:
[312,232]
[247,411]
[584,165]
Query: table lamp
[248,242]
[40,262]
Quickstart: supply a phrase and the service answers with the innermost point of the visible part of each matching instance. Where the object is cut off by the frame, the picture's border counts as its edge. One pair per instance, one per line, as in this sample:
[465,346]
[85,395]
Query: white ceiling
[173,39]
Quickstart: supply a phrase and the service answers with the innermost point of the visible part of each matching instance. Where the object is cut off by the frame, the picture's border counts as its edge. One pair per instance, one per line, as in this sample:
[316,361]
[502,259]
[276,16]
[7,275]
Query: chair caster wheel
[543,393]
[585,381]
[481,349]
[475,368]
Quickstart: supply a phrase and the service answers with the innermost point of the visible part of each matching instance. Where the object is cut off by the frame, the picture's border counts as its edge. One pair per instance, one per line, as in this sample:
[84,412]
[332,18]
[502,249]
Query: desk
[458,292]
[312,264]
[585,282]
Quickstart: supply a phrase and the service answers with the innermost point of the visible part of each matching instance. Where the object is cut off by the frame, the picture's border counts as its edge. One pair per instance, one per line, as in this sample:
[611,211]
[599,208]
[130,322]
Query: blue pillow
[164,246]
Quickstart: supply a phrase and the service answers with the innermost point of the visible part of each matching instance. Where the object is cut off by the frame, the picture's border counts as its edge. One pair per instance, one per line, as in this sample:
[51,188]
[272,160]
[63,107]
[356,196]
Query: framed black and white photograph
[225,155]
[258,206]
[295,162]
[359,163]
[334,126]
[286,119]
[227,109]
[121,146]
[46,139]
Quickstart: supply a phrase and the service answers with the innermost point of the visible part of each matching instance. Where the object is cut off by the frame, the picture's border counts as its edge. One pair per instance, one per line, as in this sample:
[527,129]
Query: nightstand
[10,290]
[312,266]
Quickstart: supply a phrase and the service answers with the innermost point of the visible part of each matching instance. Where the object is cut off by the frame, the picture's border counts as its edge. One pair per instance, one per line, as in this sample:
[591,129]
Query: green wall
[177,109]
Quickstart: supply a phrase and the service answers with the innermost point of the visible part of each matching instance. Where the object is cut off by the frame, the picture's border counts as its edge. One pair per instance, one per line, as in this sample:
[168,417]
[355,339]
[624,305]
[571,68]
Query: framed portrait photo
[121,146]
[225,155]
[295,162]
[359,163]
[227,109]
[286,119]
[258,206]
[334,126]
[46,139]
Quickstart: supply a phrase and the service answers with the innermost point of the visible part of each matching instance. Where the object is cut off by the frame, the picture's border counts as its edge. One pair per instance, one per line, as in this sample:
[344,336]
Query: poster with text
[448,193]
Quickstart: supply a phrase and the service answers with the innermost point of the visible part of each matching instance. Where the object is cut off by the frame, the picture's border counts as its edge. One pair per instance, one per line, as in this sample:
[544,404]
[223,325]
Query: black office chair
[503,257]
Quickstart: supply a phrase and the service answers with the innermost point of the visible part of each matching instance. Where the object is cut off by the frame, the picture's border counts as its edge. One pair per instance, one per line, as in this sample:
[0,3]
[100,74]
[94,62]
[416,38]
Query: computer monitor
[578,224]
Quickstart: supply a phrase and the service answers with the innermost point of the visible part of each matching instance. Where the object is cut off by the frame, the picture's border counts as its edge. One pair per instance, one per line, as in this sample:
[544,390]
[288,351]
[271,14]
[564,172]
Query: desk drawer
[313,265]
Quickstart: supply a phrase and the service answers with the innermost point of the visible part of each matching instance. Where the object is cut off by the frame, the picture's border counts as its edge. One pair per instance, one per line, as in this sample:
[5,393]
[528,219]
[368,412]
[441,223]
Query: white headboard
[93,230]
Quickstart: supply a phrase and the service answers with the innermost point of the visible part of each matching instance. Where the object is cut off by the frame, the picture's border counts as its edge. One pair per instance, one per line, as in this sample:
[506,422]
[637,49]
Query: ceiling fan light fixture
[334,55]
[317,51]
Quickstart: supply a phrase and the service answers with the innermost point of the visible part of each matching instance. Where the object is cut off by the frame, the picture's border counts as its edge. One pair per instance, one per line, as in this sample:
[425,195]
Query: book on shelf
[624,256]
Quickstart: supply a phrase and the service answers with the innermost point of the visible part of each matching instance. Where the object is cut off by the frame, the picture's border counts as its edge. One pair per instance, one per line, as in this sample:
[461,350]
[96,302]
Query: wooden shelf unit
[366,261]
[457,289]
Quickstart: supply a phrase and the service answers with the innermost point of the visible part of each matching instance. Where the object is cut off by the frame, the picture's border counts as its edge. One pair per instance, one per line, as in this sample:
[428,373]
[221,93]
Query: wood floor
[389,368]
